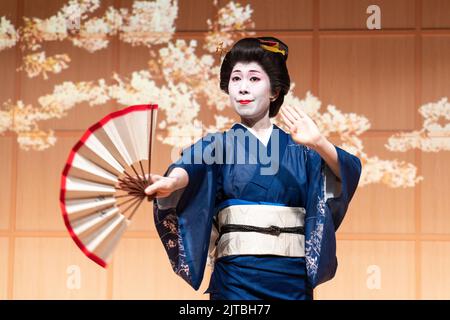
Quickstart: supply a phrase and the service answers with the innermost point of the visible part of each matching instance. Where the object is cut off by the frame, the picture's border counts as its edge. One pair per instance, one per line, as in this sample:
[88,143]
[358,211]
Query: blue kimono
[281,173]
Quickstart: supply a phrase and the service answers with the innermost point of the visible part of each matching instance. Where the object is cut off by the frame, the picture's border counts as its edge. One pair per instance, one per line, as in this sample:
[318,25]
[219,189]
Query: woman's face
[249,90]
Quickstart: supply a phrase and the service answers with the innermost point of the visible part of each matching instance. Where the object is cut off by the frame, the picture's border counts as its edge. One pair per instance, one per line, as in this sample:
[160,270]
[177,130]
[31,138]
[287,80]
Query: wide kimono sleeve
[327,202]
[184,219]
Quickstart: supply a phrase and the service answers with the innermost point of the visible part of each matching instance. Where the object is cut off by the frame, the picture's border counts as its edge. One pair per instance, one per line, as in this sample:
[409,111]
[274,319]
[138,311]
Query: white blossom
[38,141]
[232,17]
[38,63]
[150,22]
[93,35]
[433,137]
[5,120]
[8,34]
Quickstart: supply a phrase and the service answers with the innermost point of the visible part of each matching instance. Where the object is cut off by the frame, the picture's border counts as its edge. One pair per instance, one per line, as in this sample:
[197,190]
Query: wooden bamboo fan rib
[103,182]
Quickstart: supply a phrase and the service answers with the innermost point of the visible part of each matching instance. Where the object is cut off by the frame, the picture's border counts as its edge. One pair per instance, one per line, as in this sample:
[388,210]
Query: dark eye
[254,79]
[235,78]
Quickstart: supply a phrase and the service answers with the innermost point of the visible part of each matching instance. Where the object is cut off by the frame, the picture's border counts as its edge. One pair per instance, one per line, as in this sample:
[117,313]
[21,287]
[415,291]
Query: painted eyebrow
[249,71]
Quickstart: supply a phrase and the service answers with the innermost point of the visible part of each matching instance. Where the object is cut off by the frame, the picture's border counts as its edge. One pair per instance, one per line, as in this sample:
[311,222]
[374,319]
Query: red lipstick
[244,101]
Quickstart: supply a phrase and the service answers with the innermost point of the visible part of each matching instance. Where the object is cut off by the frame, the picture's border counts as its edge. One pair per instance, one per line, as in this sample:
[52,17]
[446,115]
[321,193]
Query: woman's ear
[274,97]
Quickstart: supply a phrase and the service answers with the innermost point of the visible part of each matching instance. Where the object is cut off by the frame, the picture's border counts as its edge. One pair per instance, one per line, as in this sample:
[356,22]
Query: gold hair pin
[272,46]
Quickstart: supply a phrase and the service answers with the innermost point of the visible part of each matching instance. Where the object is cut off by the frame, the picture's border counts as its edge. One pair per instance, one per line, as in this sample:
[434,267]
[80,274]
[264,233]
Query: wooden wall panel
[372,270]
[6,158]
[370,76]
[44,268]
[299,62]
[133,59]
[435,14]
[41,9]
[273,15]
[192,16]
[38,186]
[8,66]
[143,219]
[8,9]
[352,14]
[435,264]
[436,68]
[152,276]
[378,208]
[4,252]
[435,190]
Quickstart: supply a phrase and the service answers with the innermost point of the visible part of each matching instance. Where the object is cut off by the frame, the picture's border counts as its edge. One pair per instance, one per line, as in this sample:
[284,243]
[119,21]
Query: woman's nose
[243,88]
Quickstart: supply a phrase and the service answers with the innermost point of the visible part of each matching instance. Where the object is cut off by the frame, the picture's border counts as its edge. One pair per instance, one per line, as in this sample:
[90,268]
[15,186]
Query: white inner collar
[264,137]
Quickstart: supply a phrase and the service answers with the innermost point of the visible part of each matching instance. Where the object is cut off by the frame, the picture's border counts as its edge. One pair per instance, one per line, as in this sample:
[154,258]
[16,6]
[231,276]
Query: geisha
[261,204]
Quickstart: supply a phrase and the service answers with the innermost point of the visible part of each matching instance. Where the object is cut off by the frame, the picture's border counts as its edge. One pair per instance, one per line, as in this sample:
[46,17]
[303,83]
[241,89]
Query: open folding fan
[103,182]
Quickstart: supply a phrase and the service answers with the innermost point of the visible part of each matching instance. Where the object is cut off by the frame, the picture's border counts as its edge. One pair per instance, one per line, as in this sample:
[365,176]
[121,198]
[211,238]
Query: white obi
[257,243]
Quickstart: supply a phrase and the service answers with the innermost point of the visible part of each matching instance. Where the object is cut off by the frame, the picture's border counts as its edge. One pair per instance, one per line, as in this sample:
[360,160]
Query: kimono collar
[264,140]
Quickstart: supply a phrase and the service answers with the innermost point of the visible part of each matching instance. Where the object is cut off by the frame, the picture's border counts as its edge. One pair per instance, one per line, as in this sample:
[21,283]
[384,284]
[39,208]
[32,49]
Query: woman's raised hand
[303,129]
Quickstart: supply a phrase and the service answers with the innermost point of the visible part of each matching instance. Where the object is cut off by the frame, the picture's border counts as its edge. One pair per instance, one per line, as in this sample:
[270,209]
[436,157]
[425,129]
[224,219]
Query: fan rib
[135,209]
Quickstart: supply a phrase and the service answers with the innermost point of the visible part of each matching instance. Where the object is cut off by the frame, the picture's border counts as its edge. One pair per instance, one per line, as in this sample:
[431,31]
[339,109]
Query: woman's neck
[259,125]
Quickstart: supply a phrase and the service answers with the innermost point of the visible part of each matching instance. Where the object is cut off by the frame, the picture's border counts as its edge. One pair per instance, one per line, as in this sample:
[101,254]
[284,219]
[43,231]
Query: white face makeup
[249,90]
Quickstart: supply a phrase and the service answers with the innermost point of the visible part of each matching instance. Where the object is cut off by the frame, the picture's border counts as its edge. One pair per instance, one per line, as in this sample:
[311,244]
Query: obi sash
[259,229]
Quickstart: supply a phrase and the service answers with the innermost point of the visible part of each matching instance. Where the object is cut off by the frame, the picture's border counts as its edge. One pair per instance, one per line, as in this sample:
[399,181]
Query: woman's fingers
[298,114]
[149,176]
[286,120]
[303,115]
[154,177]
[289,114]
[161,186]
[154,187]
[151,189]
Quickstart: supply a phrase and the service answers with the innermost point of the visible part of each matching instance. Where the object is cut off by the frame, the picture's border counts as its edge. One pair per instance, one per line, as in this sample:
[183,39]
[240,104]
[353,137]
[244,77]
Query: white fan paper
[104,179]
